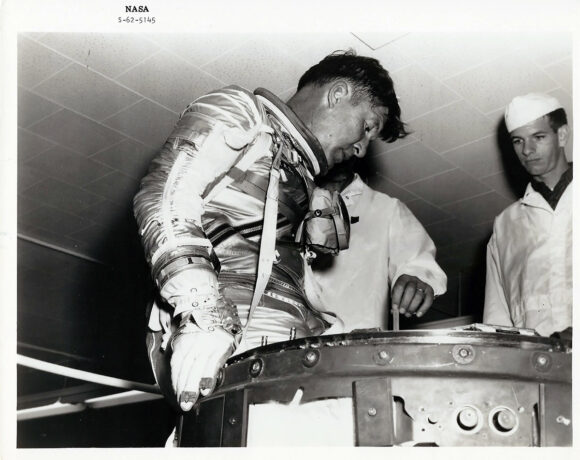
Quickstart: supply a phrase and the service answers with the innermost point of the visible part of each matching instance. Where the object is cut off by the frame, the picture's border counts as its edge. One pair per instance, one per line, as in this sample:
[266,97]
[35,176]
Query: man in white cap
[529,255]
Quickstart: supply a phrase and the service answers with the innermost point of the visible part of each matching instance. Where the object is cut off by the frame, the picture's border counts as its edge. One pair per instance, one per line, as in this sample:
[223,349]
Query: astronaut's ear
[563,135]
[338,92]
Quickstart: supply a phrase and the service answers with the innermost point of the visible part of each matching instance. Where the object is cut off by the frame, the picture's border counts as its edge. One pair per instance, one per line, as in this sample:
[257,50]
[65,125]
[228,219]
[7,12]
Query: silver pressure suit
[200,212]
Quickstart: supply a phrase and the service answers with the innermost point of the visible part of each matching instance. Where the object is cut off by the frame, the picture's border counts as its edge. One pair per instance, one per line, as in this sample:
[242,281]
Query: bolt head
[256,368]
[372,411]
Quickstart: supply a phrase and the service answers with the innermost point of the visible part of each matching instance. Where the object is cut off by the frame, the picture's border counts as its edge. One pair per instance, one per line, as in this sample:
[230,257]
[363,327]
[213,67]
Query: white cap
[524,109]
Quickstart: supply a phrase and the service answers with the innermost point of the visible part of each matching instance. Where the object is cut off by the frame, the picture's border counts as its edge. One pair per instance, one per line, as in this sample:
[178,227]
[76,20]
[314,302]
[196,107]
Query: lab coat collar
[355,188]
[535,199]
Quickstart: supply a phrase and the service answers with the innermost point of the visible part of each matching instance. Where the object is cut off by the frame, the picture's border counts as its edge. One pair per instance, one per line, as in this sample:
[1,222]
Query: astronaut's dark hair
[369,80]
[557,118]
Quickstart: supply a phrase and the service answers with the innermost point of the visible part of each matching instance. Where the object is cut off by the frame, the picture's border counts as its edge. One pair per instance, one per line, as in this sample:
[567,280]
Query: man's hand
[566,334]
[196,360]
[410,296]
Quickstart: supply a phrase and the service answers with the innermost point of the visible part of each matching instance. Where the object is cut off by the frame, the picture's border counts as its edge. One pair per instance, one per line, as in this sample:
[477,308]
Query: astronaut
[229,215]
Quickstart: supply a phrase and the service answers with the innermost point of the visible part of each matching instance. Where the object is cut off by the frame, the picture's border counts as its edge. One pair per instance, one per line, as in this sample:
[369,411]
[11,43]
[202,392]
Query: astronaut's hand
[411,296]
[196,360]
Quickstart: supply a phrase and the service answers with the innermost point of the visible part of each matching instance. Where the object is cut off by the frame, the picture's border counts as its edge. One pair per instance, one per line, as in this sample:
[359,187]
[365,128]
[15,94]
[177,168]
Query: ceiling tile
[199,49]
[42,261]
[379,146]
[450,232]
[32,107]
[446,54]
[86,92]
[545,47]
[378,39]
[510,75]
[145,121]
[40,234]
[311,48]
[53,299]
[501,184]
[461,255]
[54,220]
[384,185]
[25,206]
[485,229]
[130,157]
[93,275]
[36,62]
[68,166]
[107,213]
[57,239]
[480,158]
[92,234]
[478,209]
[30,145]
[76,132]
[61,196]
[258,65]
[447,187]
[107,53]
[561,72]
[451,126]
[418,92]
[426,213]
[566,100]
[33,35]
[115,187]
[27,177]
[182,83]
[409,163]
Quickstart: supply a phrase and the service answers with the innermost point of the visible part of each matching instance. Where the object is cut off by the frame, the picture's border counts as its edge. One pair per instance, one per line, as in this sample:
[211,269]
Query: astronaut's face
[540,149]
[345,125]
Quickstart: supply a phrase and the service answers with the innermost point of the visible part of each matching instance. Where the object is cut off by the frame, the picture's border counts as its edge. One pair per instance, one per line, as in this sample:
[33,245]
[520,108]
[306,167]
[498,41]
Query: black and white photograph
[288,236]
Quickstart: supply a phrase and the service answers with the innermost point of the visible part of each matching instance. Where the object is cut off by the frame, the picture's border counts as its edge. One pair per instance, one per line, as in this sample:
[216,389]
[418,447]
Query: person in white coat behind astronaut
[390,261]
[529,255]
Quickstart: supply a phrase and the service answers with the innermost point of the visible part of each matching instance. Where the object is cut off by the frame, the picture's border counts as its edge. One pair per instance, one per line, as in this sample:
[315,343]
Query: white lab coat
[529,265]
[386,242]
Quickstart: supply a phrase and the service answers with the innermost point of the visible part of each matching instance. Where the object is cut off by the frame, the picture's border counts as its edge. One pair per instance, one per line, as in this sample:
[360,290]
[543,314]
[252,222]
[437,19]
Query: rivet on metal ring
[311,357]
[256,367]
[542,362]
[463,354]
[382,357]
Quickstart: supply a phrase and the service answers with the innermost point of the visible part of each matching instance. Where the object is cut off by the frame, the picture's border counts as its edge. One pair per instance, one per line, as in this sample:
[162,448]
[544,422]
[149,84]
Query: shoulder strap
[268,238]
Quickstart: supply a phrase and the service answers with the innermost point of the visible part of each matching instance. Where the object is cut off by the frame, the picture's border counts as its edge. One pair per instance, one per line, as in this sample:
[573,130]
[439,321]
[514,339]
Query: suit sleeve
[210,137]
[412,252]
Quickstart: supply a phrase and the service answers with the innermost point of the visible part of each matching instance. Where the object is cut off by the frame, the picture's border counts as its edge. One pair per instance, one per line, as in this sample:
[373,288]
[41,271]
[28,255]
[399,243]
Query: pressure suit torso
[202,202]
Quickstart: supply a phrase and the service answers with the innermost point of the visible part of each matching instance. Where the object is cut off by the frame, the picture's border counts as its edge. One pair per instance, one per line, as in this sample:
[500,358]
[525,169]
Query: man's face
[540,149]
[345,129]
